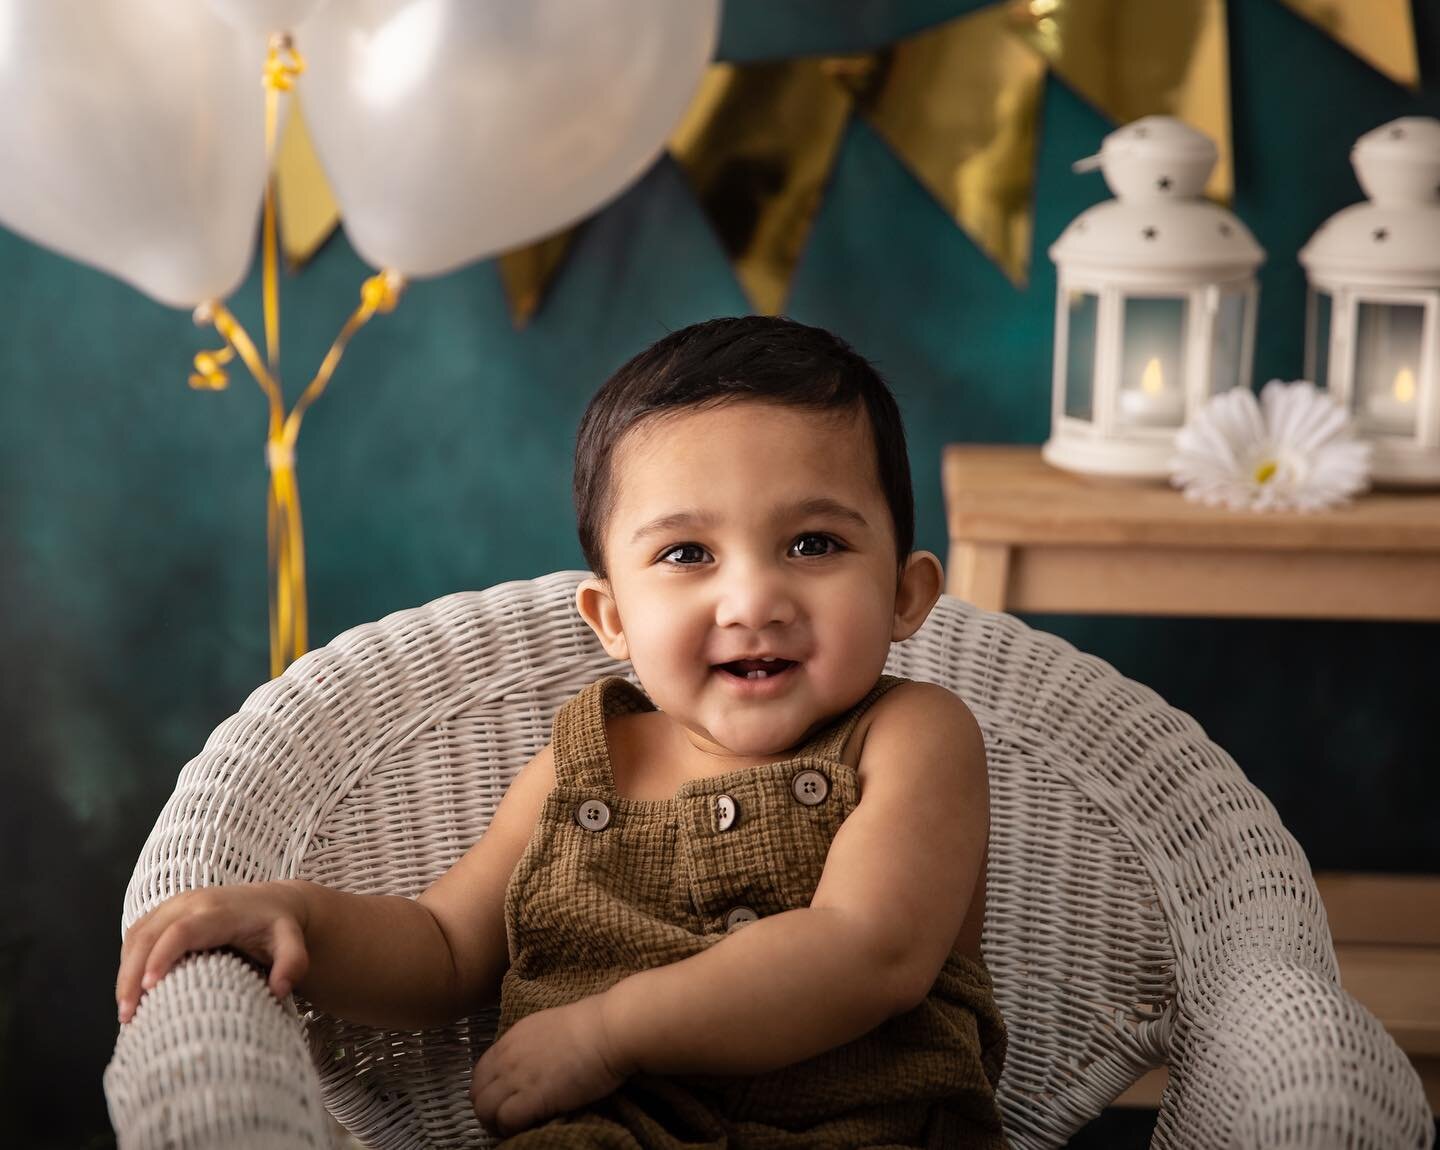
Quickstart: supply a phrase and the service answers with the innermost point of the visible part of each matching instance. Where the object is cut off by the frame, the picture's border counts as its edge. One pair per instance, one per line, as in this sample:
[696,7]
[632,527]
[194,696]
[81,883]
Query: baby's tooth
[756,674]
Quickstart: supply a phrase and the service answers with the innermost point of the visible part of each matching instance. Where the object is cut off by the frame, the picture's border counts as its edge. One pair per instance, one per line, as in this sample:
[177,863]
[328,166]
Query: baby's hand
[265,920]
[548,1062]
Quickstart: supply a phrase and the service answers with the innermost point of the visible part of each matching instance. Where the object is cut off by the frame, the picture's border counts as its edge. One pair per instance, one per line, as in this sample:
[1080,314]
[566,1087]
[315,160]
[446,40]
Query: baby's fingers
[134,955]
[159,948]
[291,959]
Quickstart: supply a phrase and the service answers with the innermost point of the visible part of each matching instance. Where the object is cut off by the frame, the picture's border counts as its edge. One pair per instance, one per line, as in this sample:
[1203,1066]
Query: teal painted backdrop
[132,554]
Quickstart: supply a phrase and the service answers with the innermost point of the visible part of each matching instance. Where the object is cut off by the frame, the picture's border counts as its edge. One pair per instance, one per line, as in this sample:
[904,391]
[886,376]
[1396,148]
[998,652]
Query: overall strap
[829,742]
[582,753]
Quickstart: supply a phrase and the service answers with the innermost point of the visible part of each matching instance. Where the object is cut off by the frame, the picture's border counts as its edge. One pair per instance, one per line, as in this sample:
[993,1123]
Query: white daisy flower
[1294,450]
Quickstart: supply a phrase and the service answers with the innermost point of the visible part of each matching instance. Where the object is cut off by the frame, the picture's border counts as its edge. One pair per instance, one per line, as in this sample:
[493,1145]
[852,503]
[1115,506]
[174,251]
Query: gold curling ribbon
[282,64]
[288,608]
[209,373]
[289,623]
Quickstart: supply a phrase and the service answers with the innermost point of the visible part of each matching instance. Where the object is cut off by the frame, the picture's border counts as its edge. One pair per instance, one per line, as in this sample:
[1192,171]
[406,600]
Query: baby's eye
[693,550]
[814,545]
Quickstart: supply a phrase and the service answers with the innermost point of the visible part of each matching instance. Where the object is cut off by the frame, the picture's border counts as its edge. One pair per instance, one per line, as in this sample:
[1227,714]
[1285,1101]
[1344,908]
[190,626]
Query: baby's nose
[756,601]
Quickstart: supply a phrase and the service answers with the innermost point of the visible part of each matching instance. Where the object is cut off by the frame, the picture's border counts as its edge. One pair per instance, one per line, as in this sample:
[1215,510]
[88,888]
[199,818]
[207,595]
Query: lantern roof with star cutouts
[1393,238]
[1159,230]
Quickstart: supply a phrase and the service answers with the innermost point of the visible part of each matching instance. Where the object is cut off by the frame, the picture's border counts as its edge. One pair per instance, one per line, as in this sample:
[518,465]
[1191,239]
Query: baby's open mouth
[756,668]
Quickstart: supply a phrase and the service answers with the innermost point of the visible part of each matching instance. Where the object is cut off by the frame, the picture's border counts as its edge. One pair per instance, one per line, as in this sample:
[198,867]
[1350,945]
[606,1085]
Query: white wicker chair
[1146,905]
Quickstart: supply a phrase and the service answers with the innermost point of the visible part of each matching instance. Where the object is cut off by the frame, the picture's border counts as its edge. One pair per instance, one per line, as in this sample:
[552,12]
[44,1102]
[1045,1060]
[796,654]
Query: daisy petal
[1293,449]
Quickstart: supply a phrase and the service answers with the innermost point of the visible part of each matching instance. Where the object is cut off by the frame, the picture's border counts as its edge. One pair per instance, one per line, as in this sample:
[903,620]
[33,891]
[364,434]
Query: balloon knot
[282,63]
[381,292]
[279,454]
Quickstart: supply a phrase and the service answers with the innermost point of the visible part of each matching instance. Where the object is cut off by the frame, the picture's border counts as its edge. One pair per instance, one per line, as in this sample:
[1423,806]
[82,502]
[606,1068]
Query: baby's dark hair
[754,357]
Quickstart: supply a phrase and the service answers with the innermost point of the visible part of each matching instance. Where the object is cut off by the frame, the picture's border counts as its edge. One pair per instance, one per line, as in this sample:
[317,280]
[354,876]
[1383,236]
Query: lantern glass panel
[1228,360]
[1152,373]
[1080,342]
[1317,354]
[1387,366]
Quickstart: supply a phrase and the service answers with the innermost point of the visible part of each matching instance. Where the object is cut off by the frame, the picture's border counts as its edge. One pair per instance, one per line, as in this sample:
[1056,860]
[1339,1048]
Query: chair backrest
[1082,909]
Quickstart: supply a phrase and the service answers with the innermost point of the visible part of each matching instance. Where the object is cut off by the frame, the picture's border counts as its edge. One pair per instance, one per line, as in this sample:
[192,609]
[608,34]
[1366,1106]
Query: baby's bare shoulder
[917,718]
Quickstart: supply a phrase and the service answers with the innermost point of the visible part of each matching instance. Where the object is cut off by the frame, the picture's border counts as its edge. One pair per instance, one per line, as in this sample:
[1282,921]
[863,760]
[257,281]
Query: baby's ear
[921,580]
[596,604]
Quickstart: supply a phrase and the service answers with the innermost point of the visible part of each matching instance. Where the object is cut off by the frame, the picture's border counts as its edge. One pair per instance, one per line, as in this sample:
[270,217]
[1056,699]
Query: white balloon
[452,130]
[134,140]
[265,16]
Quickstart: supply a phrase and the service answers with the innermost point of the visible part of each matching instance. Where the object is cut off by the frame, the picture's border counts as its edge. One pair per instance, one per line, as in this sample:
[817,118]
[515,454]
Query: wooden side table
[1027,537]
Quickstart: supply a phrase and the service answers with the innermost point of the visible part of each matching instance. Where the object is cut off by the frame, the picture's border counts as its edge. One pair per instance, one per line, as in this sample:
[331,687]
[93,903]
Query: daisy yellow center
[1266,471]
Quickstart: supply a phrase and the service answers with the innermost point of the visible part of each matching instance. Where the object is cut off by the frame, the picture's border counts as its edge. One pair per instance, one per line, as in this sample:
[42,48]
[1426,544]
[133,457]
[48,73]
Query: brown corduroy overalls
[609,886]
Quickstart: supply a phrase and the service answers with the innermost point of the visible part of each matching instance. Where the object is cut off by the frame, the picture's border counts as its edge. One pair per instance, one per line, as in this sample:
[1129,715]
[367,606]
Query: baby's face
[750,532]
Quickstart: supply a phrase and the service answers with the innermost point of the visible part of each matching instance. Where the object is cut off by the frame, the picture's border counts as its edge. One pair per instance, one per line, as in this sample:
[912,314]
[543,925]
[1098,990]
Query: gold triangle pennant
[1133,58]
[526,274]
[1380,32]
[306,206]
[959,105]
[757,147]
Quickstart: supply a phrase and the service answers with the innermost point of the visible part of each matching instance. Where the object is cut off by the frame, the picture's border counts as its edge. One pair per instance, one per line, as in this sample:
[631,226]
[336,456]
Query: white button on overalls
[810,787]
[738,917]
[593,815]
[726,812]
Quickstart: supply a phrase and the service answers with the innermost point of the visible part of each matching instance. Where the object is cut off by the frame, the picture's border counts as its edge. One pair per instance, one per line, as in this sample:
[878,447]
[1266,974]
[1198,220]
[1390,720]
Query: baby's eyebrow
[820,505]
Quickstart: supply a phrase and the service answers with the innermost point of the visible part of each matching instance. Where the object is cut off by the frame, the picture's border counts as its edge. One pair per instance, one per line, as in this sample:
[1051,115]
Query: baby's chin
[753,738]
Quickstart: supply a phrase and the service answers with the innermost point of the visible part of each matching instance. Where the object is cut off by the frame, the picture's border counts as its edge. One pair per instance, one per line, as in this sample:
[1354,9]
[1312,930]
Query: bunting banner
[958,104]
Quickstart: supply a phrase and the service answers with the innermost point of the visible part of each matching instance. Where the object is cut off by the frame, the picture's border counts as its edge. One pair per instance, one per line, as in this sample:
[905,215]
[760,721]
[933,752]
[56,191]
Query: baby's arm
[407,964]
[371,958]
[897,883]
[383,960]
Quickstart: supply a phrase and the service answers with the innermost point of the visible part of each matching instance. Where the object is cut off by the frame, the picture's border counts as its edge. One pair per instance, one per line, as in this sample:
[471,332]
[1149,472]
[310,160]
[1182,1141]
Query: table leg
[979,573]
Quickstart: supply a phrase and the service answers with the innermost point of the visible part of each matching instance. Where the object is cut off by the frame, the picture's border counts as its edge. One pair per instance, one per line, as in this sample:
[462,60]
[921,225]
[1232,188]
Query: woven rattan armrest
[1269,1051]
[211,1058]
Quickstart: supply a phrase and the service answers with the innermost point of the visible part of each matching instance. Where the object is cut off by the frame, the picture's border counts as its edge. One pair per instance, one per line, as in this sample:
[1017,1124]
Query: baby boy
[744,504]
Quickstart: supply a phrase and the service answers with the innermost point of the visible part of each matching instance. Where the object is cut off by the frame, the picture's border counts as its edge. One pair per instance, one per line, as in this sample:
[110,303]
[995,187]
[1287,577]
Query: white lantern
[1156,305]
[1373,329]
